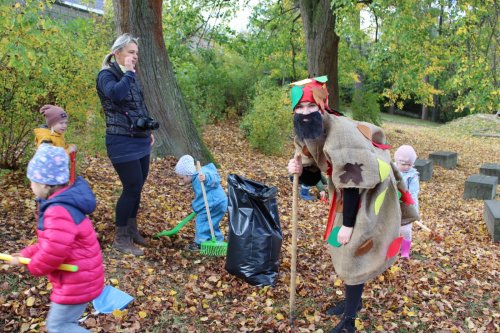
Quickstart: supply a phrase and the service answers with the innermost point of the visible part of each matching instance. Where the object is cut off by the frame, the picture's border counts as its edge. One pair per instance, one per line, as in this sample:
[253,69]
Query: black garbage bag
[254,240]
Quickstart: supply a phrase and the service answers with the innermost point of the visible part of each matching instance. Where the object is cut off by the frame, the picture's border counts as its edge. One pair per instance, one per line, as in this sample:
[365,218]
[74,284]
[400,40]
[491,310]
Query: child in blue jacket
[216,197]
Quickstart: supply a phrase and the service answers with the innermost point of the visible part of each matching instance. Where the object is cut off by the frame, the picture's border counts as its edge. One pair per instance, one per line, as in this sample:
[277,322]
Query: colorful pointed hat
[310,90]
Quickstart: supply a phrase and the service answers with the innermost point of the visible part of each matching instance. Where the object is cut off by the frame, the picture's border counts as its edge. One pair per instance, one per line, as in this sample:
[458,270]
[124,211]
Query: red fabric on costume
[308,94]
[329,169]
[381,146]
[407,198]
[331,216]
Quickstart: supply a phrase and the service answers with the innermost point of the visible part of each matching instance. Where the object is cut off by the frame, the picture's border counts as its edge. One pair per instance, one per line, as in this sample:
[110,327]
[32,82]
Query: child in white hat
[405,158]
[216,197]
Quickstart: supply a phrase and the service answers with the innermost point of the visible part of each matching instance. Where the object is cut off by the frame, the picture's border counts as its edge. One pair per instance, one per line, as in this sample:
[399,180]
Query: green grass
[4,172]
[396,119]
[475,124]
[166,320]
[14,281]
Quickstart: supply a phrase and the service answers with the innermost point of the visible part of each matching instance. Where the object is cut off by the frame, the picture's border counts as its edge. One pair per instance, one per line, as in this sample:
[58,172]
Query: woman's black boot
[346,325]
[338,308]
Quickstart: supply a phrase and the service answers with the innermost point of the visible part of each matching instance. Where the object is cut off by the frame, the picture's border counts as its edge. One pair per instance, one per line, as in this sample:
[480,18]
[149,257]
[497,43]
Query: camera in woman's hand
[147,123]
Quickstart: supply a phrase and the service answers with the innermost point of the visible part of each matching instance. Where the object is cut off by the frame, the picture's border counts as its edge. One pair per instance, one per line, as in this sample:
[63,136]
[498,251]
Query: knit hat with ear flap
[185,166]
[406,154]
[53,114]
[49,166]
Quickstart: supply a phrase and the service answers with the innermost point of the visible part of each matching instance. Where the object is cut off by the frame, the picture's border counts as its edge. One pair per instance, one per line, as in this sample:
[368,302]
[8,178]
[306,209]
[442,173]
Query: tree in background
[474,36]
[216,81]
[322,43]
[275,41]
[439,54]
[177,134]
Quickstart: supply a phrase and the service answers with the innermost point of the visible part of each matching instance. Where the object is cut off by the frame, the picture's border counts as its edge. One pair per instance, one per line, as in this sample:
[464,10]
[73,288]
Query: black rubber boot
[346,325]
[338,308]
[134,232]
[123,242]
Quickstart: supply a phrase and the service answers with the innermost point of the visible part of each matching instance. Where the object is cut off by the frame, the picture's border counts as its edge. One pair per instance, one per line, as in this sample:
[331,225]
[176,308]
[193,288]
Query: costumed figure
[365,213]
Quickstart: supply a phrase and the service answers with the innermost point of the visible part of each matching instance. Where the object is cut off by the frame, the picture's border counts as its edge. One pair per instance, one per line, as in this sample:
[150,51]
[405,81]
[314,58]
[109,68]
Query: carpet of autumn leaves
[450,286]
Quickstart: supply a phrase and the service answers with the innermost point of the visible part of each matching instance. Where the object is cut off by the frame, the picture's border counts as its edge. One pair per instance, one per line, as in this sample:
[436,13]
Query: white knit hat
[185,166]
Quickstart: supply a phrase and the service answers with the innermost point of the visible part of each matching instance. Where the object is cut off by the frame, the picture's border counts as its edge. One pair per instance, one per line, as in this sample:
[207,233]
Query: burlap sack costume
[355,155]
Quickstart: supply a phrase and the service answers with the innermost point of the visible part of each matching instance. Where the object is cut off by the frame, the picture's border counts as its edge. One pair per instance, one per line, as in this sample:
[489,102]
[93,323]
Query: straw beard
[308,126]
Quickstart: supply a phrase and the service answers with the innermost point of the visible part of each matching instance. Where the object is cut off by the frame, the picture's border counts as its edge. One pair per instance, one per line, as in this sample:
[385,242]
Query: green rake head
[213,248]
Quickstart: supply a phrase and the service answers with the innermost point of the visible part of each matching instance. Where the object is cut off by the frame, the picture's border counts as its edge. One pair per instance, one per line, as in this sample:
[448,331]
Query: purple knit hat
[53,114]
[406,154]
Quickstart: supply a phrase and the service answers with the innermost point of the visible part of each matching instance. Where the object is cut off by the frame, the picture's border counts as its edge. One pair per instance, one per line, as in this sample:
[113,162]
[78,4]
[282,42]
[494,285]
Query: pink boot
[405,248]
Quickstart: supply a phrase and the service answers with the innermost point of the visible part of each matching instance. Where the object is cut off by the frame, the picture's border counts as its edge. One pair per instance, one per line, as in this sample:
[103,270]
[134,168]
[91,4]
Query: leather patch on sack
[366,131]
[352,172]
[364,248]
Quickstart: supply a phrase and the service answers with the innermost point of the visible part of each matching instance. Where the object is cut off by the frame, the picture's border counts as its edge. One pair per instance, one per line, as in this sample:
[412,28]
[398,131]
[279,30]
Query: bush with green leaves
[213,83]
[215,80]
[268,125]
[365,106]
[43,62]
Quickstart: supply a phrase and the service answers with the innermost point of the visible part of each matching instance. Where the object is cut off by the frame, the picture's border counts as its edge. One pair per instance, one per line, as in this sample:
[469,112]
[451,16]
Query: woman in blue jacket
[128,136]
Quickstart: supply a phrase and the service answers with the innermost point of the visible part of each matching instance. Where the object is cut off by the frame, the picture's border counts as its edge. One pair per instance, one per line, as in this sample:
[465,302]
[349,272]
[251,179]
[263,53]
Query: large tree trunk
[177,134]
[322,43]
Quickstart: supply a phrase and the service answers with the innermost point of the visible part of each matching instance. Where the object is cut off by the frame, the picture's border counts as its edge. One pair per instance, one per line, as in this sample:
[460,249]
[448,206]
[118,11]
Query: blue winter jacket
[411,180]
[122,100]
[213,188]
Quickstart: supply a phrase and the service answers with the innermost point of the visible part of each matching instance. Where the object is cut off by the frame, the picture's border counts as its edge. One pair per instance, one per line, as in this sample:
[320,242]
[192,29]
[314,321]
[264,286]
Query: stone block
[446,159]
[480,187]
[491,216]
[424,168]
[490,169]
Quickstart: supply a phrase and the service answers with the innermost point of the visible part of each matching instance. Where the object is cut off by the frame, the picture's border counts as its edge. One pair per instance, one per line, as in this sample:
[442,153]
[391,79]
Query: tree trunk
[392,108]
[425,109]
[358,85]
[435,110]
[322,44]
[177,134]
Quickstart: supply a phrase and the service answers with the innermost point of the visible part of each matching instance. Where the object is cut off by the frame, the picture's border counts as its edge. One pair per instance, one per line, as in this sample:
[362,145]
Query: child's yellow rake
[211,247]
[25,261]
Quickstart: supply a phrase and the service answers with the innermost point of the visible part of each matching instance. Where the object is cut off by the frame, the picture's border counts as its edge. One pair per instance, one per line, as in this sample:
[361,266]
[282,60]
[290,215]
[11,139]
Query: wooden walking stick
[434,236]
[293,265]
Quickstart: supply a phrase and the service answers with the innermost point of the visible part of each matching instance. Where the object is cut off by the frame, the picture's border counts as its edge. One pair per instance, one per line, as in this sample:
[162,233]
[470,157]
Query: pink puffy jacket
[66,235]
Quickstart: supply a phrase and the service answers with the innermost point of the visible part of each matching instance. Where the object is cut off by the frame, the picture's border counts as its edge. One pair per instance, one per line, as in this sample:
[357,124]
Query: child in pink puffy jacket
[65,235]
